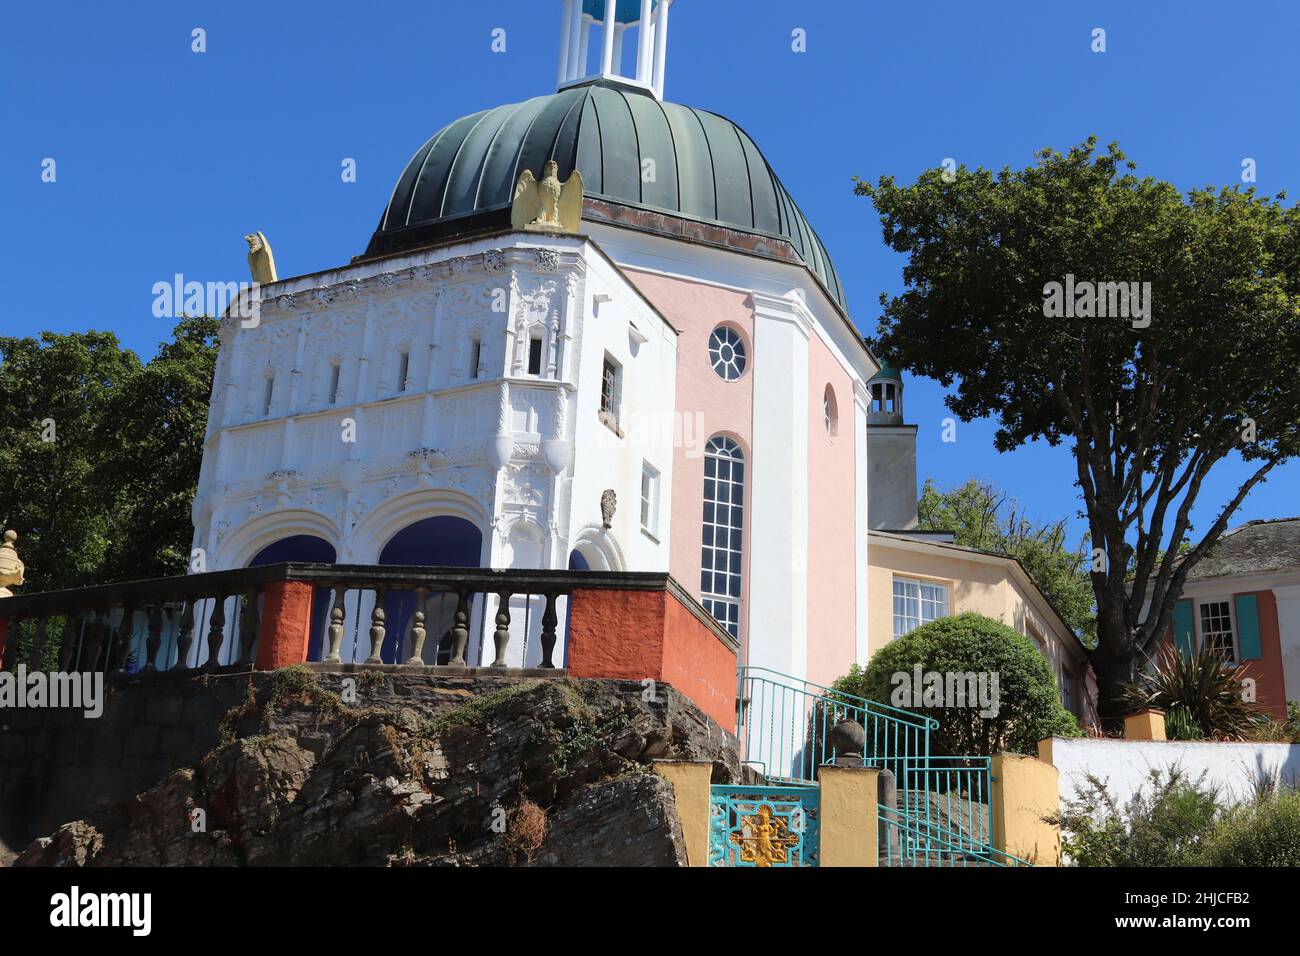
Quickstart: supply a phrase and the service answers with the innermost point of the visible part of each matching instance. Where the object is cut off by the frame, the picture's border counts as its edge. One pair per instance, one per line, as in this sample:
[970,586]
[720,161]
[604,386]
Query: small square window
[403,369]
[611,385]
[649,499]
[335,371]
[1216,629]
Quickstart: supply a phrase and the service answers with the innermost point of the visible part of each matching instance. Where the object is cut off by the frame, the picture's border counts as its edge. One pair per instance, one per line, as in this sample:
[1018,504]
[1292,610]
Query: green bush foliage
[1028,705]
[1265,833]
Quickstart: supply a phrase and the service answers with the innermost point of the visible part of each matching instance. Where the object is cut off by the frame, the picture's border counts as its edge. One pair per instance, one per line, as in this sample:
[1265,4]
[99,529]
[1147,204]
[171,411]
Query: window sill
[610,422]
[650,534]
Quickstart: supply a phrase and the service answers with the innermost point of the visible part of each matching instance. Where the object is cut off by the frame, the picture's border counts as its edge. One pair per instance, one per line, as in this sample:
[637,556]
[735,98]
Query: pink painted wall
[695,309]
[832,524]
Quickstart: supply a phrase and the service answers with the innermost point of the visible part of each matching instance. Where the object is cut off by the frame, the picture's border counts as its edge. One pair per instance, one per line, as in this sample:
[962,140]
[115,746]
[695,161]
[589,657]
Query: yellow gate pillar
[691,782]
[1025,799]
[848,816]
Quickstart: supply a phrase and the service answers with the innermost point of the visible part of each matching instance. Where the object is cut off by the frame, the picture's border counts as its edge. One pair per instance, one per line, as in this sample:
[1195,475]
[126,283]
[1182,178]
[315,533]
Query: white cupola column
[584,46]
[611,22]
[566,42]
[644,50]
[661,47]
[619,30]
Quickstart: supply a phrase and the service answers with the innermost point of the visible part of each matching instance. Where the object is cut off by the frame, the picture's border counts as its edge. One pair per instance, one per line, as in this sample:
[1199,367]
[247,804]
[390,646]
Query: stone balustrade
[605,624]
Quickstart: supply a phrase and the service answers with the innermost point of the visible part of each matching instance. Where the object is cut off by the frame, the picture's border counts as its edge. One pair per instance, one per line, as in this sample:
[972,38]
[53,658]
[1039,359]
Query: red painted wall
[1270,683]
[635,635]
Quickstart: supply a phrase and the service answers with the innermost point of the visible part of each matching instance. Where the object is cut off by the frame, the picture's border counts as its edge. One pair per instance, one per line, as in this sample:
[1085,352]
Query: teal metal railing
[785,725]
[941,815]
[911,840]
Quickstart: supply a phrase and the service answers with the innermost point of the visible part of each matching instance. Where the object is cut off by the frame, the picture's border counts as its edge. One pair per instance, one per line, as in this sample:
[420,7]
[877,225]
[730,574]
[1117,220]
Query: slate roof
[1257,547]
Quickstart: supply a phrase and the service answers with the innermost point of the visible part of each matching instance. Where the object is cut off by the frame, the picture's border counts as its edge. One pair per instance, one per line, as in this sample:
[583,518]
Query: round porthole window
[727,353]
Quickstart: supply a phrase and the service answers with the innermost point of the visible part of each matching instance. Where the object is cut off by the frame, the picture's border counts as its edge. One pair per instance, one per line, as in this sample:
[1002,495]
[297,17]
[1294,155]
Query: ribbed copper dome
[705,168]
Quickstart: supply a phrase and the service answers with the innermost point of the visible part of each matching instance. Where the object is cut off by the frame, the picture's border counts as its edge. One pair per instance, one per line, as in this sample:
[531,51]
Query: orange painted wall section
[285,628]
[635,635]
[1270,686]
[699,665]
[616,634]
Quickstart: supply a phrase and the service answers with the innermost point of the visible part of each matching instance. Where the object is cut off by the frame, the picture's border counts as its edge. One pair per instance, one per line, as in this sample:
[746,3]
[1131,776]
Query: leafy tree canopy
[100,452]
[1149,405]
[981,516]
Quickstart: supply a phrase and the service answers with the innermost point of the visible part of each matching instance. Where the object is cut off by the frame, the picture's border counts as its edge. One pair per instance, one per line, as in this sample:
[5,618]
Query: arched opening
[304,547]
[440,541]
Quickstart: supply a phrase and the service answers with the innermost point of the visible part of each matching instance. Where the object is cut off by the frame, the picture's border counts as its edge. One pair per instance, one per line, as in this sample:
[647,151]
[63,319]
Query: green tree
[99,452]
[1149,404]
[981,516]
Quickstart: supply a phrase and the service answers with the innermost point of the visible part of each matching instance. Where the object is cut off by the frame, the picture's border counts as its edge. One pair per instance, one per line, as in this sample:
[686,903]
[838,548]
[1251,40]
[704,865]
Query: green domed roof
[887,373]
[705,168]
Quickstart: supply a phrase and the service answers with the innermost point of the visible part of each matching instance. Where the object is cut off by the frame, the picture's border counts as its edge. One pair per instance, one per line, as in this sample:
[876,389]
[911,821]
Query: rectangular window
[268,395]
[610,386]
[403,369]
[535,356]
[1216,629]
[649,499]
[334,383]
[475,357]
[916,603]
[1067,690]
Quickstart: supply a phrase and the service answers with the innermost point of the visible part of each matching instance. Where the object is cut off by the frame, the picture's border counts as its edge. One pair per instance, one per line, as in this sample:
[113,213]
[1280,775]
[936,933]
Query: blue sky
[166,158]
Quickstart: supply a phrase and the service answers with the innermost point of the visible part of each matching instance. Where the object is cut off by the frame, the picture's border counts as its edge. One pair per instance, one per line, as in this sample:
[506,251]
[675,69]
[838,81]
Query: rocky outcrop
[551,772]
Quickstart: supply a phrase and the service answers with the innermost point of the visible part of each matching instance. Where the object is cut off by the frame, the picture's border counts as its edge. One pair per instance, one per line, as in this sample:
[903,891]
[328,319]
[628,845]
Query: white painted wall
[1288,622]
[1125,765]
[492,443]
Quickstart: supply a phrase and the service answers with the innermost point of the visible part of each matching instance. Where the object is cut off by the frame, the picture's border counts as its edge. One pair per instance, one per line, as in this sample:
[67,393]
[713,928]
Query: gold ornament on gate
[764,839]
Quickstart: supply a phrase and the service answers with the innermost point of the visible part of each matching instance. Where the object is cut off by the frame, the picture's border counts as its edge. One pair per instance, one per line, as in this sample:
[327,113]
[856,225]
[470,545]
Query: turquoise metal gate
[941,812]
[764,826]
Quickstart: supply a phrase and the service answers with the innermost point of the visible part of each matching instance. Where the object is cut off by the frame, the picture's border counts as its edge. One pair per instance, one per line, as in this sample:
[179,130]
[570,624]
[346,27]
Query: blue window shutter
[1183,628]
[1248,626]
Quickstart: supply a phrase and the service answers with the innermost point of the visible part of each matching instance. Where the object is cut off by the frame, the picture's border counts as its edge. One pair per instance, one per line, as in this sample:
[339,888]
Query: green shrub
[1028,705]
[1164,824]
[1266,833]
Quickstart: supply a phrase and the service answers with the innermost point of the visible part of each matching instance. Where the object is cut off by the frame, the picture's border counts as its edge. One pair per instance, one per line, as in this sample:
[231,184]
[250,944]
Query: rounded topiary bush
[1266,833]
[1014,702]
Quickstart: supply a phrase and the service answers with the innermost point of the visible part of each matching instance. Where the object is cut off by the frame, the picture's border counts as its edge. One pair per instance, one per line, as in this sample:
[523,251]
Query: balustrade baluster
[337,614]
[68,645]
[460,629]
[154,640]
[501,636]
[216,632]
[98,626]
[119,657]
[40,637]
[248,624]
[377,630]
[549,620]
[185,637]
[417,629]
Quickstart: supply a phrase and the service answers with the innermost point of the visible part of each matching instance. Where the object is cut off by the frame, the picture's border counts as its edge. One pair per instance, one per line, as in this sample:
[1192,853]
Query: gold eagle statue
[549,205]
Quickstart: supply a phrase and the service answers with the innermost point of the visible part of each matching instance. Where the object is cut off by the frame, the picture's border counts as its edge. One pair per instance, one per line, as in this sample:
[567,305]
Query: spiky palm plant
[1203,686]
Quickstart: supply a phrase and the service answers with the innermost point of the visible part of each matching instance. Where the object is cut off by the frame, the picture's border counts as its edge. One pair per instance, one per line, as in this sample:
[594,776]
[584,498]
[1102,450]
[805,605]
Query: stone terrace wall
[58,766]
